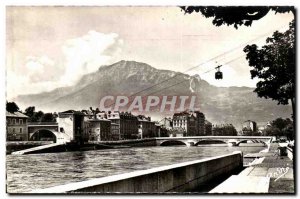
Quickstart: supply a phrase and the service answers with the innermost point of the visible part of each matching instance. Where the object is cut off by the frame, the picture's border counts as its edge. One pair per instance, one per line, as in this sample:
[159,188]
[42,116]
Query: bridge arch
[209,141]
[172,143]
[252,140]
[43,135]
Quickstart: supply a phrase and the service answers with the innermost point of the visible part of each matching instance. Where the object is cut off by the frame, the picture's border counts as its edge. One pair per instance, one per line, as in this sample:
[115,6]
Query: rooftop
[16,114]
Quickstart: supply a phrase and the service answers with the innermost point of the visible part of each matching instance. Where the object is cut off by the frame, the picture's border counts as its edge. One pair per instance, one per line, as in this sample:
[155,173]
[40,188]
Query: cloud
[81,55]
[85,54]
[17,84]
[36,68]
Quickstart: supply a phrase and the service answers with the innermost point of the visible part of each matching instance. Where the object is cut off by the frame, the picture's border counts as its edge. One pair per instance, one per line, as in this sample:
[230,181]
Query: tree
[274,65]
[48,117]
[12,107]
[280,127]
[236,15]
[281,123]
[37,116]
[247,131]
[224,130]
[271,131]
[30,111]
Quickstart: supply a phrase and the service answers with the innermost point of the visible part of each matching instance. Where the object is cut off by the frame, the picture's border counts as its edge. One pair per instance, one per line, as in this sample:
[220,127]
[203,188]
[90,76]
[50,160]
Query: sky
[51,47]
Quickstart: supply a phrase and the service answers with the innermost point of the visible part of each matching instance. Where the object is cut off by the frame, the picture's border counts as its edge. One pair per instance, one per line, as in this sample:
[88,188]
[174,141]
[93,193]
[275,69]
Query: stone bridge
[197,140]
[44,131]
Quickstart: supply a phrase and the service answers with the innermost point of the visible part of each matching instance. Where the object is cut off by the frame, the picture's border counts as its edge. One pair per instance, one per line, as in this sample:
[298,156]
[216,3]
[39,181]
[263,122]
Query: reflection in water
[28,172]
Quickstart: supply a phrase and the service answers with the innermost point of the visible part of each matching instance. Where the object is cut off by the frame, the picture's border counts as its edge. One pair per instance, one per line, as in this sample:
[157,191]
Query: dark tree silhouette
[281,127]
[30,111]
[37,116]
[12,107]
[225,130]
[281,124]
[236,15]
[274,65]
[48,117]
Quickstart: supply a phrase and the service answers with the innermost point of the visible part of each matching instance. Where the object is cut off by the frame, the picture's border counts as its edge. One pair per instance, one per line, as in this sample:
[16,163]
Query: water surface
[29,172]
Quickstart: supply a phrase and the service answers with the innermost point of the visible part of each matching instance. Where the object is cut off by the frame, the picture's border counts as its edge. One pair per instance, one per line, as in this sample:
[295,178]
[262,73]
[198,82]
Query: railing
[216,137]
[41,123]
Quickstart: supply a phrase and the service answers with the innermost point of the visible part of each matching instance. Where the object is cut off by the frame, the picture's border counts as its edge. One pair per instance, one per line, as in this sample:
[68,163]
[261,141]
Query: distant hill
[219,104]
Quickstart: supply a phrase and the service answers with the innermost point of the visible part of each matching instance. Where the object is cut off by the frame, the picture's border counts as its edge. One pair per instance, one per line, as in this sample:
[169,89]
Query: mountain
[219,104]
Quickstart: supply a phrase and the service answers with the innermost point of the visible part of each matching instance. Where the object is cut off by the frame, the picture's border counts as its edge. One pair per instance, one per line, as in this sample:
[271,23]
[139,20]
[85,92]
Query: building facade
[99,130]
[128,124]
[191,122]
[249,128]
[147,128]
[161,130]
[16,126]
[115,131]
[167,123]
[208,128]
[200,122]
[71,126]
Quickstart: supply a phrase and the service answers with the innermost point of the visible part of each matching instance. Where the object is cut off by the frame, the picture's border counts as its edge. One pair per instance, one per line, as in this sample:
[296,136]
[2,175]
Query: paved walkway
[269,173]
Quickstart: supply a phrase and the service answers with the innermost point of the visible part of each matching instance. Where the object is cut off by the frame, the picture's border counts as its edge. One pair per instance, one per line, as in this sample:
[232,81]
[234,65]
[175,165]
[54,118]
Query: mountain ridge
[220,104]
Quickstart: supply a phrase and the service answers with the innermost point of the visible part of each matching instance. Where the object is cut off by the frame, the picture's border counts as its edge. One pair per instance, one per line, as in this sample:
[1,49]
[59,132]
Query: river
[29,172]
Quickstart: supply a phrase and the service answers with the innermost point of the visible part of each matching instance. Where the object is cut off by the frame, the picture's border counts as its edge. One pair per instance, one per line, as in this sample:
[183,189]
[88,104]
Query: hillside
[219,104]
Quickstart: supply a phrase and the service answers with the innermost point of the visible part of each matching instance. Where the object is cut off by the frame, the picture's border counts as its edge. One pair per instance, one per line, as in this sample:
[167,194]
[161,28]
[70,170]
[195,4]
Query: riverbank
[22,145]
[37,171]
[185,177]
[270,173]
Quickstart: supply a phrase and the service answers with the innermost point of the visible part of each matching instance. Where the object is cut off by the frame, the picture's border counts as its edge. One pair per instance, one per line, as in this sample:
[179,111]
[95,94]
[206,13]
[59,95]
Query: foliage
[274,65]
[29,111]
[177,130]
[235,15]
[281,123]
[48,117]
[39,116]
[280,127]
[224,130]
[272,131]
[12,107]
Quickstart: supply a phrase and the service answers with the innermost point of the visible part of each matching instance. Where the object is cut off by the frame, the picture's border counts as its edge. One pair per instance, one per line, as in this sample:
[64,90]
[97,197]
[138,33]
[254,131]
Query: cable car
[218,74]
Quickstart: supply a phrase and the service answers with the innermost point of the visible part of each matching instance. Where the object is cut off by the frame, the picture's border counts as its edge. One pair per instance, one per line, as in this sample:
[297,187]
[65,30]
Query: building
[97,127]
[184,124]
[192,123]
[16,126]
[71,125]
[99,130]
[161,130]
[115,131]
[249,128]
[146,127]
[128,124]
[167,123]
[200,122]
[208,128]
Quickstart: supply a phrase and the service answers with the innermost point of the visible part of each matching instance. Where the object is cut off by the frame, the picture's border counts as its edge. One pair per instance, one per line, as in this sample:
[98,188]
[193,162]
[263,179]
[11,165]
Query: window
[21,130]
[20,121]
[8,120]
[14,121]
[13,130]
